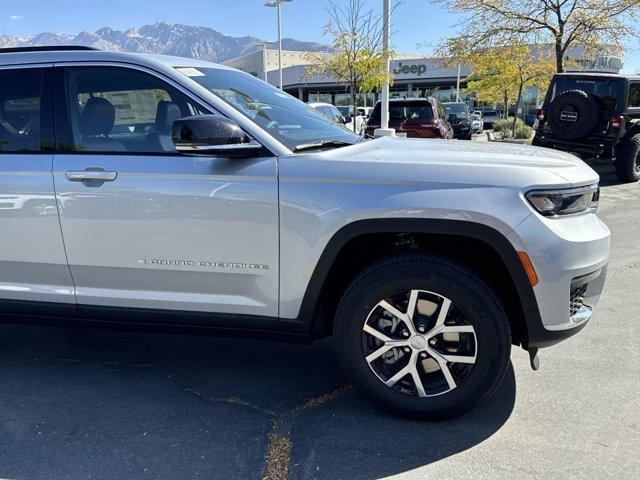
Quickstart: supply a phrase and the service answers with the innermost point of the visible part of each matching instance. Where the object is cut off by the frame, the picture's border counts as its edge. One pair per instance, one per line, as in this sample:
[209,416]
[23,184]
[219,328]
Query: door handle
[88,175]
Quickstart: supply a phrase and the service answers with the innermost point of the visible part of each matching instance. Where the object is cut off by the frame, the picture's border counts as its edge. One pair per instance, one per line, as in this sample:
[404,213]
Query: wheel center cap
[418,342]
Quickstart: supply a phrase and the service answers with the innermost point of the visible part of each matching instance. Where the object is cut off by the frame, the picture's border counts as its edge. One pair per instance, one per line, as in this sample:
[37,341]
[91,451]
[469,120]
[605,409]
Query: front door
[148,228]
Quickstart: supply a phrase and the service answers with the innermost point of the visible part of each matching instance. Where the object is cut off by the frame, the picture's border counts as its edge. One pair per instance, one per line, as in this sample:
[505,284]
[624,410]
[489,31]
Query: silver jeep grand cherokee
[169,191]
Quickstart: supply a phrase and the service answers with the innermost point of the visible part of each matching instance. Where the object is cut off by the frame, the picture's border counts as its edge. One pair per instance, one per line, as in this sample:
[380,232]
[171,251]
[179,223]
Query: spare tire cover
[573,115]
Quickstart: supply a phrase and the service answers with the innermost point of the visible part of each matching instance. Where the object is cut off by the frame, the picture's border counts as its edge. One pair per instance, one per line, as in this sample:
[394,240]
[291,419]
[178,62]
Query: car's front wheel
[422,336]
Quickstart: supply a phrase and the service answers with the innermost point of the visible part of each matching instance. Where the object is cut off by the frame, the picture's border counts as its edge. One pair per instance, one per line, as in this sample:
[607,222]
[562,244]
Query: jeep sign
[415,69]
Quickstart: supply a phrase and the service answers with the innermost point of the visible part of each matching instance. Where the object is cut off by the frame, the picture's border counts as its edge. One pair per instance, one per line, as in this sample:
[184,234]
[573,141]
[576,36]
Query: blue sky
[416,22]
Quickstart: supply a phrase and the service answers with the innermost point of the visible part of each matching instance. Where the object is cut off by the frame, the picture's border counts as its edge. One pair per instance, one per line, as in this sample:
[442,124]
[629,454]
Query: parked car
[458,116]
[329,111]
[176,192]
[490,117]
[413,118]
[477,124]
[595,116]
[348,112]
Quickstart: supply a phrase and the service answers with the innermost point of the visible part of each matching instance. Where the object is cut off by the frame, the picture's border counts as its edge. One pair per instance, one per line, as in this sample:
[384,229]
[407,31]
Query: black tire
[468,292]
[627,161]
[573,115]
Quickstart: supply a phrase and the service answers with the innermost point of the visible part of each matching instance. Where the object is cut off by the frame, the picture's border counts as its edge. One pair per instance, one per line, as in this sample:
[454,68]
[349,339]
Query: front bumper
[461,130]
[570,256]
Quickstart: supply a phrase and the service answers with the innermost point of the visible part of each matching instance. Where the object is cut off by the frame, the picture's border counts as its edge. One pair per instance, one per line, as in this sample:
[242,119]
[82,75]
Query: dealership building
[414,76]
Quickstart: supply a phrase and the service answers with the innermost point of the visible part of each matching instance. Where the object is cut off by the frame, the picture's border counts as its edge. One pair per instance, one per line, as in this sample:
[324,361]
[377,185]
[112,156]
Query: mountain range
[171,39]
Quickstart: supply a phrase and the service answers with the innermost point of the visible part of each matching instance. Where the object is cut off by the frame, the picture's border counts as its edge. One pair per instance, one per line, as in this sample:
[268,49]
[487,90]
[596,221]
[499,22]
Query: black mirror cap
[205,130]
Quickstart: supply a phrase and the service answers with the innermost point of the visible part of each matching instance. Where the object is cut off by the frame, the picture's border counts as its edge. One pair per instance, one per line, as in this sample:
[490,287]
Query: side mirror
[212,135]
[452,118]
[344,120]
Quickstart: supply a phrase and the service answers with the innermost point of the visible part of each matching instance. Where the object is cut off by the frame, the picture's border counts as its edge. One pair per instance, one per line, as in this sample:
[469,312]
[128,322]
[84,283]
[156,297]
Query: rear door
[148,228]
[33,267]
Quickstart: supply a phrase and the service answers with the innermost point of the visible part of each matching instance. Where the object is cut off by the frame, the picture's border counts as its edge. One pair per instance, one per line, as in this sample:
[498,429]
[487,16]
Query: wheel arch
[438,236]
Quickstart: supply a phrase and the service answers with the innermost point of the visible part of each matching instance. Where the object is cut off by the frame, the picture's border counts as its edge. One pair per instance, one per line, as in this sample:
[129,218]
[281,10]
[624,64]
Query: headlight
[554,203]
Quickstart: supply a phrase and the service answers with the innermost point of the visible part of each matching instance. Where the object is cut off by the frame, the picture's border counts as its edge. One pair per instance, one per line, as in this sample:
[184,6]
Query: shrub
[523,131]
[504,125]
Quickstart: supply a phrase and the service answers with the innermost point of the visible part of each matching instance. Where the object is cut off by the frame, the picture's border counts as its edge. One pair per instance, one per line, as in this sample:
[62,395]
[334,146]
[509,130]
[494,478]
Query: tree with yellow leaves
[561,24]
[504,74]
[357,58]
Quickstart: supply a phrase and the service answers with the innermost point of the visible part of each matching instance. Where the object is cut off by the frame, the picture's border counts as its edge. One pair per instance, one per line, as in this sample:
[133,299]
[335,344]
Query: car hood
[394,159]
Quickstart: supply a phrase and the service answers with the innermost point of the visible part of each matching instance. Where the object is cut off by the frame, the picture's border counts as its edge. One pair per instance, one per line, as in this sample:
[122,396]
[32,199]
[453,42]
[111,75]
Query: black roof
[52,48]
[594,74]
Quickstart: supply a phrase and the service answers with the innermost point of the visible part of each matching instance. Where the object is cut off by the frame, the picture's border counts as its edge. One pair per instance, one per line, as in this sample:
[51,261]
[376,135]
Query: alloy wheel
[419,343]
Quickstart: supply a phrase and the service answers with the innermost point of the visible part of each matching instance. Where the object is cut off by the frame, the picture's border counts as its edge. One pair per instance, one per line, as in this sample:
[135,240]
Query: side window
[21,111]
[634,95]
[122,110]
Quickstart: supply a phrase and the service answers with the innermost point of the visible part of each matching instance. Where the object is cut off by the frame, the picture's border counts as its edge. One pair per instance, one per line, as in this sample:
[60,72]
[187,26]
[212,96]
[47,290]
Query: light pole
[276,4]
[384,130]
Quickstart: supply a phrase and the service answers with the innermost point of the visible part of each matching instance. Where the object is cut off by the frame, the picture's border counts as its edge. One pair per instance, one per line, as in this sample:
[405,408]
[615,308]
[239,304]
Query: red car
[414,118]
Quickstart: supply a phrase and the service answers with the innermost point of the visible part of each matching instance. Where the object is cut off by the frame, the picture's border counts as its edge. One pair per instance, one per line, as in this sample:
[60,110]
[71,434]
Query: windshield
[286,118]
[459,109]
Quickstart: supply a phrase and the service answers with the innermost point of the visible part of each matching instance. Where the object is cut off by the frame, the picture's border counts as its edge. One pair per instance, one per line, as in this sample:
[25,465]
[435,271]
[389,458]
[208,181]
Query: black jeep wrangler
[595,116]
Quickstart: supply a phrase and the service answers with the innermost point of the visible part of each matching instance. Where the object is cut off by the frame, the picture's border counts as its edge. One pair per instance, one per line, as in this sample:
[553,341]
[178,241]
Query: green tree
[562,24]
[357,57]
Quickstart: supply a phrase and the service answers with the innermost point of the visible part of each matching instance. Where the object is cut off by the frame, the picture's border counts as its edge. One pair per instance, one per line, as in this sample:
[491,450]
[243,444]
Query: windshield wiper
[324,144]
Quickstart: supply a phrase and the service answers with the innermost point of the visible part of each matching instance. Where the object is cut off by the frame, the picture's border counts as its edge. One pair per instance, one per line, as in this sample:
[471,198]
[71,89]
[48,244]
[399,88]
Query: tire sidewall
[626,159]
[493,345]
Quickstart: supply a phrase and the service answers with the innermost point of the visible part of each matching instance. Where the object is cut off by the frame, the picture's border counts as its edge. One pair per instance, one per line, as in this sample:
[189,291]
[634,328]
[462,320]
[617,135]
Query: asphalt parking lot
[94,404]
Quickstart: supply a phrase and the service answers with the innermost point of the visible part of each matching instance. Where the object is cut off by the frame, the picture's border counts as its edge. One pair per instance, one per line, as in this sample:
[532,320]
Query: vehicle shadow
[88,403]
[607,174]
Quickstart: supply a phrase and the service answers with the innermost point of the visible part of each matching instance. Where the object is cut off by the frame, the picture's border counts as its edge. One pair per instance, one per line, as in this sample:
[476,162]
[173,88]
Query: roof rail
[50,48]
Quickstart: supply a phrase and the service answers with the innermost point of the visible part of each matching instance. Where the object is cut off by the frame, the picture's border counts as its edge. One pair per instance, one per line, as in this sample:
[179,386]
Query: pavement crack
[278,456]
[280,445]
[228,400]
[327,397]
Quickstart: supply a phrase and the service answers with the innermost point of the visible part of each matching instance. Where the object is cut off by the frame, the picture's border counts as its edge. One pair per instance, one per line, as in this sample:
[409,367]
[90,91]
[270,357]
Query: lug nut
[407,349]
[405,333]
[421,328]
[433,341]
[423,354]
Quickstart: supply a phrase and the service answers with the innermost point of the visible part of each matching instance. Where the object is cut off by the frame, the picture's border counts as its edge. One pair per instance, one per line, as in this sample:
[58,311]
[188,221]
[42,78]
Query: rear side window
[634,95]
[21,110]
[605,89]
